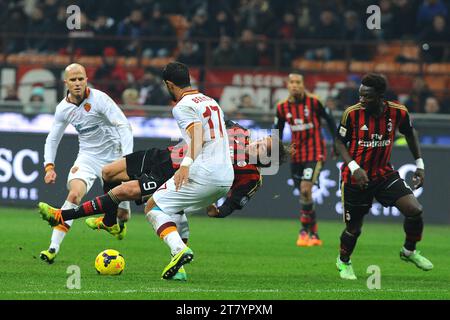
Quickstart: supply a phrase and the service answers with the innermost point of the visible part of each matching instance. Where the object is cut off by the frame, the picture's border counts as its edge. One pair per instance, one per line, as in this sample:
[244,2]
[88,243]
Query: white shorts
[90,169]
[192,196]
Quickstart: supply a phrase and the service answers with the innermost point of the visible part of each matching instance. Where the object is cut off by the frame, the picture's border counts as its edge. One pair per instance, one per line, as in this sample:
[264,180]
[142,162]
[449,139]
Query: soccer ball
[109,262]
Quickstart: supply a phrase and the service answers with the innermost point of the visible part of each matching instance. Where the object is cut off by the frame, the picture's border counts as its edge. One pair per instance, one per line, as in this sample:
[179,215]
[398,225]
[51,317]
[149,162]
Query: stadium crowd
[242,33]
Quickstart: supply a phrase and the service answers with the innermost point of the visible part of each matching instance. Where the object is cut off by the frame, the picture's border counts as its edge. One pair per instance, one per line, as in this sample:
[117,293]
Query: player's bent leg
[353,219]
[413,227]
[76,193]
[166,229]
[115,171]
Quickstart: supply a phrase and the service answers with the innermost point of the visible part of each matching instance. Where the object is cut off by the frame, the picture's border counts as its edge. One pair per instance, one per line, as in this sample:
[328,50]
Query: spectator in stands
[132,26]
[245,107]
[438,32]
[248,54]
[428,10]
[419,93]
[200,28]
[387,20]
[151,91]
[331,103]
[432,105]
[14,22]
[287,29]
[103,26]
[159,26]
[264,52]
[190,53]
[327,29]
[350,93]
[83,42]
[111,77]
[37,32]
[224,55]
[353,31]
[222,25]
[36,103]
[404,22]
[256,15]
[130,101]
[11,94]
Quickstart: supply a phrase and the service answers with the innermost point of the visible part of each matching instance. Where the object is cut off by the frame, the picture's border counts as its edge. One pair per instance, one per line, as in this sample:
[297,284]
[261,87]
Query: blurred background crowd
[264,34]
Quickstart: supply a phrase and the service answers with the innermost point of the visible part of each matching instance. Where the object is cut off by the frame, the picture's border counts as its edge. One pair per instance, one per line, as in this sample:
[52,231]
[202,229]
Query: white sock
[182,225]
[407,252]
[158,218]
[174,241]
[58,235]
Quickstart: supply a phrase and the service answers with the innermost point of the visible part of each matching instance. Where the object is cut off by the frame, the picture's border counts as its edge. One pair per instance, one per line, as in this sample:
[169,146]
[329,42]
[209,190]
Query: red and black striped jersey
[370,139]
[238,138]
[304,119]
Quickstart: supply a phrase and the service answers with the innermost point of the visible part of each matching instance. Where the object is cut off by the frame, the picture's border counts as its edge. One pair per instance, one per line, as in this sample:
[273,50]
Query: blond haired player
[104,135]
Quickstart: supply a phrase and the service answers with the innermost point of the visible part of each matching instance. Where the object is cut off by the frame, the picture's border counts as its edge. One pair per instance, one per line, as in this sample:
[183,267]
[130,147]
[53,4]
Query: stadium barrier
[21,181]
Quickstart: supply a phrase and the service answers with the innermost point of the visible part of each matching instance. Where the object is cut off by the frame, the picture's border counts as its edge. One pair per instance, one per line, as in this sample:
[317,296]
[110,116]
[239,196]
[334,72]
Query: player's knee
[306,193]
[129,191]
[354,227]
[107,173]
[74,196]
[414,211]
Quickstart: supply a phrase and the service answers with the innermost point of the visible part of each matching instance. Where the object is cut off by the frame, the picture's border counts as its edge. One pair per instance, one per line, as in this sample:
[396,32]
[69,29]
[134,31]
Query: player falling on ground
[205,174]
[149,169]
[104,135]
[365,139]
[303,112]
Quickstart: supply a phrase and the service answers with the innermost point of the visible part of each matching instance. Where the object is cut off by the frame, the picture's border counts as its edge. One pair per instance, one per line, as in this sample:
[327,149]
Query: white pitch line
[194,290]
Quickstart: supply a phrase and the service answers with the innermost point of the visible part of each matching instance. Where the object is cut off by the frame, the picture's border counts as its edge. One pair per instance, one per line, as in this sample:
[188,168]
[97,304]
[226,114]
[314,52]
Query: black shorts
[306,171]
[357,202]
[151,168]
[149,161]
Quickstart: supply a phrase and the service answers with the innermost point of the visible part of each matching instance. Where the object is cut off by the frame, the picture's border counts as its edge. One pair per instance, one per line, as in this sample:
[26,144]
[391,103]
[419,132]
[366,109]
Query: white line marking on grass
[194,290]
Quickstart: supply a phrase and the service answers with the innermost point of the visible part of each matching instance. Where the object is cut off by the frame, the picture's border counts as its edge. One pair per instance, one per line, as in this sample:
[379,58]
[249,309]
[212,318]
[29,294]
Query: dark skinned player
[365,139]
[303,113]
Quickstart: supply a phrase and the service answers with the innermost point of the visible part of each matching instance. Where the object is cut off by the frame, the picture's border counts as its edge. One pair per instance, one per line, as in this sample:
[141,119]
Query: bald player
[104,135]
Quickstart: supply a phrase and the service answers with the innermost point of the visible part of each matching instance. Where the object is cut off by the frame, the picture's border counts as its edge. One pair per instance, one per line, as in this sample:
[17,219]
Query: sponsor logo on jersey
[364,127]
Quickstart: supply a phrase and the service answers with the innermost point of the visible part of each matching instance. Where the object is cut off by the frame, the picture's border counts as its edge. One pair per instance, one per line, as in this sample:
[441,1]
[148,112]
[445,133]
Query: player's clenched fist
[361,178]
[50,176]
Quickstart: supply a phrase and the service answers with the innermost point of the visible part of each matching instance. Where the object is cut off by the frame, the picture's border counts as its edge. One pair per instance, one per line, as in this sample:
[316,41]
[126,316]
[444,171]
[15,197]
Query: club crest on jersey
[87,107]
[389,126]
[242,163]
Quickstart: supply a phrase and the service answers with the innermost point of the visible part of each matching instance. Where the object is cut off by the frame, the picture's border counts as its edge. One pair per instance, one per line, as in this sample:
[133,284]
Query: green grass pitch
[235,258]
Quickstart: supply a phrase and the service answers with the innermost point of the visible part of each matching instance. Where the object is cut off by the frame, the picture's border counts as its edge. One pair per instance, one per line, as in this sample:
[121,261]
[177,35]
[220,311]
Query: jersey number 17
[213,122]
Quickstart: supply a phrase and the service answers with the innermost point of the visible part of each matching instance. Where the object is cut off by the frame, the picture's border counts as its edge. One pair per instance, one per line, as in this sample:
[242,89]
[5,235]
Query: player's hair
[376,81]
[283,153]
[177,73]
